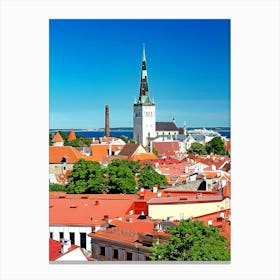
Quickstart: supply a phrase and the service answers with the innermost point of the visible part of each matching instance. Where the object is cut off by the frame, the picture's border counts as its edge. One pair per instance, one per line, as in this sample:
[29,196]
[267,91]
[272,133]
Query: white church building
[144,110]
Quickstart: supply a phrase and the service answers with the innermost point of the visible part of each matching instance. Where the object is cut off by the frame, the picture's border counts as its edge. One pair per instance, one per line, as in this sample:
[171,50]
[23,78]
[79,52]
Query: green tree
[121,177]
[197,149]
[80,141]
[192,241]
[216,146]
[56,188]
[87,177]
[149,178]
[155,152]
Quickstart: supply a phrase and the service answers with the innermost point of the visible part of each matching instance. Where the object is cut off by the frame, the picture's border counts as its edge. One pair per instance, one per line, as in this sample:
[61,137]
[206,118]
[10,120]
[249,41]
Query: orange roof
[117,234]
[99,151]
[71,136]
[56,154]
[144,156]
[86,211]
[139,226]
[57,138]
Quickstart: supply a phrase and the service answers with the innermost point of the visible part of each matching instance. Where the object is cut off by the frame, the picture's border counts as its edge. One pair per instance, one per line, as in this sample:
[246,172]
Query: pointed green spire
[144,89]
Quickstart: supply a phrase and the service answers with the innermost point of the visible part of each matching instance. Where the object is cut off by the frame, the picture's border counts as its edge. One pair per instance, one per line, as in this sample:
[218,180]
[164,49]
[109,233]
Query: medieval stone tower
[144,110]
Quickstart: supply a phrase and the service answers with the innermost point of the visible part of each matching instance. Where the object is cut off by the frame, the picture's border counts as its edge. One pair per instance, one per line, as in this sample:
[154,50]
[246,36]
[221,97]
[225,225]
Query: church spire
[144,89]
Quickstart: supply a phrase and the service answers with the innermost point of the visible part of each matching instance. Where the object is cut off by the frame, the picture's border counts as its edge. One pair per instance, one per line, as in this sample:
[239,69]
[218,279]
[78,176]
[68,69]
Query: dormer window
[63,160]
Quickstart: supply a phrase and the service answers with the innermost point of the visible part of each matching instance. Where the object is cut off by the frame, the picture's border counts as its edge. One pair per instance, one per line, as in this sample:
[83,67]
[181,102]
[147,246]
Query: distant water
[128,133]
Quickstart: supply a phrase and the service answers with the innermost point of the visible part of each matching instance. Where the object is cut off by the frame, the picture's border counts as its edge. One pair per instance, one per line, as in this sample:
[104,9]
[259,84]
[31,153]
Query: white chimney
[65,245]
[209,222]
[213,167]
[222,214]
[142,190]
[224,182]
[155,189]
[159,194]
[186,169]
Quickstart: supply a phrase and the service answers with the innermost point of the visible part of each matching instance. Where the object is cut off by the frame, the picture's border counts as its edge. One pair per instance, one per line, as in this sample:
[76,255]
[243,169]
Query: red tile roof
[57,138]
[185,199]
[127,236]
[55,247]
[167,148]
[57,153]
[86,211]
[71,136]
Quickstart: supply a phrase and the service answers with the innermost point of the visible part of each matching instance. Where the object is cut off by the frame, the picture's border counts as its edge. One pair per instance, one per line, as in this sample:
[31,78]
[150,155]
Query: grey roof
[198,137]
[166,126]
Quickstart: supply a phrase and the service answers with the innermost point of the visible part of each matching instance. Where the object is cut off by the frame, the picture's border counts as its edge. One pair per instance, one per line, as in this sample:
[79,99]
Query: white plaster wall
[144,124]
[66,231]
[148,123]
[74,255]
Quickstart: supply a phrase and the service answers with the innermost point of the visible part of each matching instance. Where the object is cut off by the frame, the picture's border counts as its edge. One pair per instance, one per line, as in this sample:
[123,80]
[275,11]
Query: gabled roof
[69,154]
[55,248]
[166,126]
[57,138]
[71,136]
[129,150]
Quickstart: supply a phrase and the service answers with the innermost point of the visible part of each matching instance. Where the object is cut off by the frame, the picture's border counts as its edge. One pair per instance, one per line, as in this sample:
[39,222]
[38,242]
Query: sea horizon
[128,131]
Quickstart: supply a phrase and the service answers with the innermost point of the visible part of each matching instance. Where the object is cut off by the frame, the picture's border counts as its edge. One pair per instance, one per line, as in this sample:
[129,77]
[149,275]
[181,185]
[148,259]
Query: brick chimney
[107,127]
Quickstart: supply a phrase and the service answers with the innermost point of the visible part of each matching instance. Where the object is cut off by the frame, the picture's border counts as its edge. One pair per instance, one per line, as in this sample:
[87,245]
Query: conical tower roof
[71,136]
[144,97]
[57,138]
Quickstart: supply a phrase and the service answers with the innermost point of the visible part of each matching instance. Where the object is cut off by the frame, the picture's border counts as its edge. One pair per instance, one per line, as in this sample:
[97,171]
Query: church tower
[144,110]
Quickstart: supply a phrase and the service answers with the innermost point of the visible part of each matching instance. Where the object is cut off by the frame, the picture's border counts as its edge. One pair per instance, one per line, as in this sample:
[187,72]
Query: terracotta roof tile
[144,156]
[166,148]
[86,211]
[71,136]
[57,138]
[55,247]
[70,154]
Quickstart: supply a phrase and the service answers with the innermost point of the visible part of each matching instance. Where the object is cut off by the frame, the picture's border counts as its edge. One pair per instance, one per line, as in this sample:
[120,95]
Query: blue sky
[98,62]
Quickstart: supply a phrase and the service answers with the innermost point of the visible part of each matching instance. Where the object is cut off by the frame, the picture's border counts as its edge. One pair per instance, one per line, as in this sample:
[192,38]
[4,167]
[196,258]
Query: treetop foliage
[192,241]
[118,177]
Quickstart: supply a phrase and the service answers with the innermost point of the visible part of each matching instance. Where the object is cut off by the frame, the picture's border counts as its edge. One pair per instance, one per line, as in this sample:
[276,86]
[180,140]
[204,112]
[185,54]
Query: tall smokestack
[107,127]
